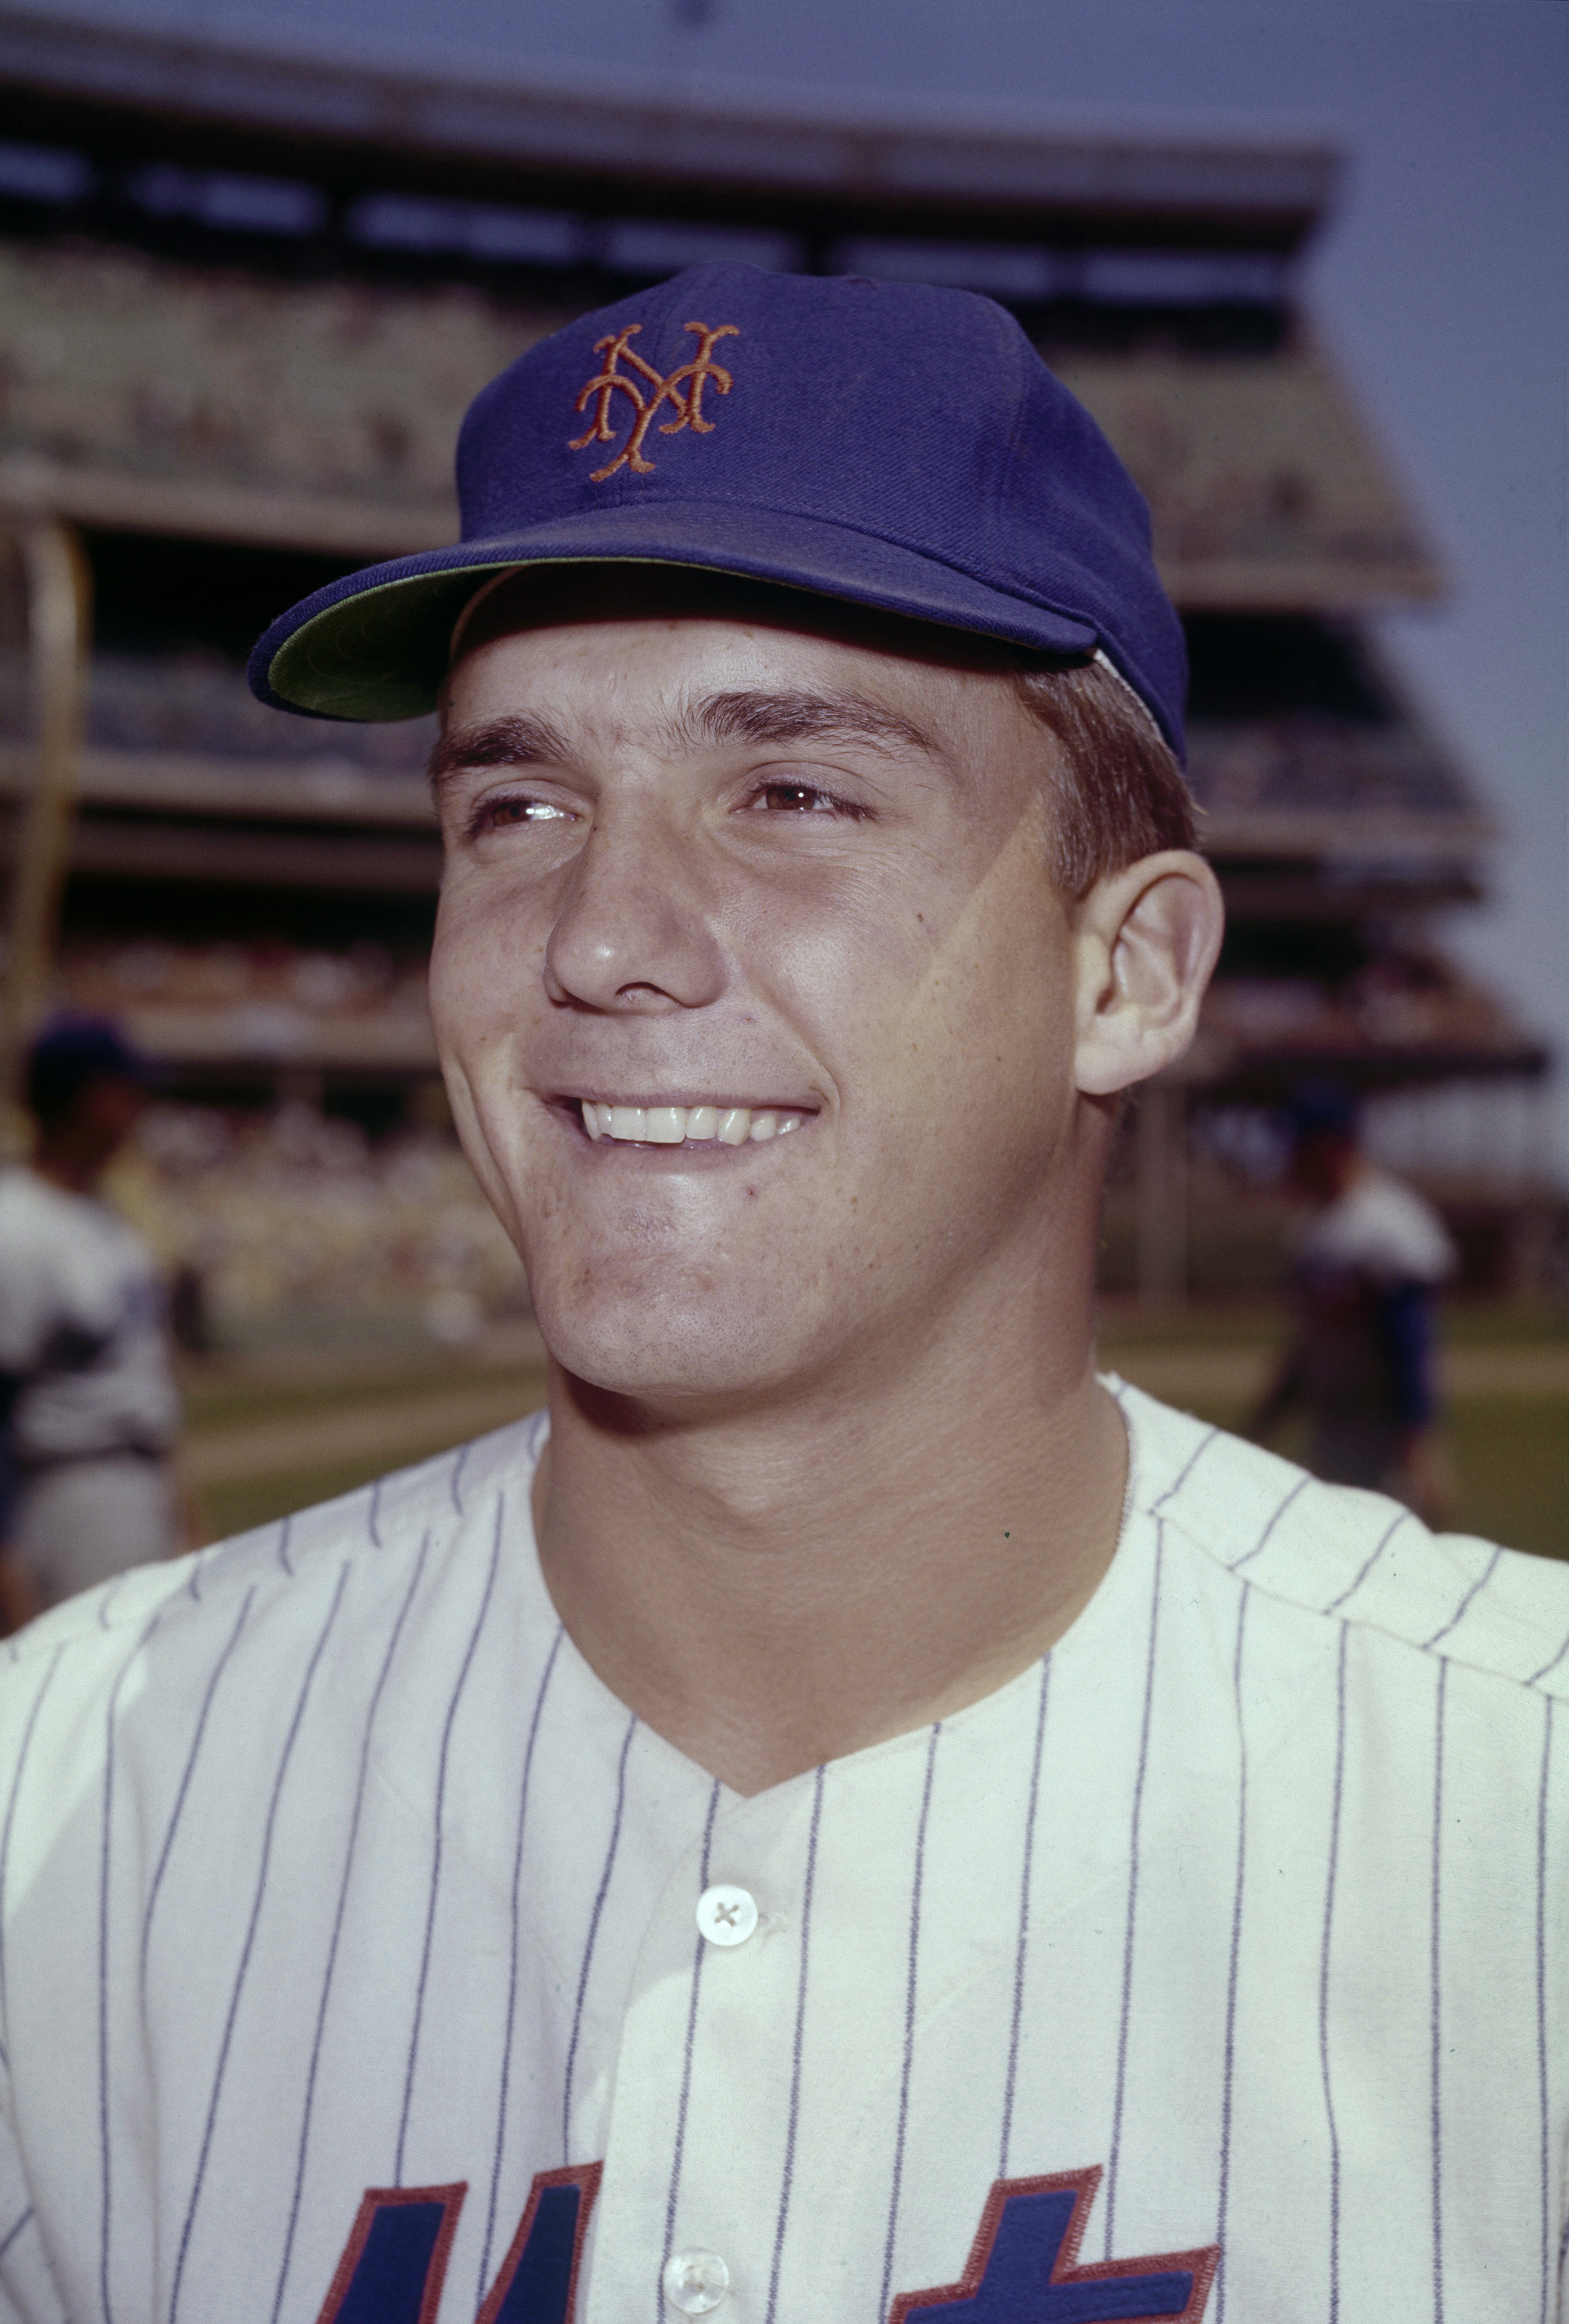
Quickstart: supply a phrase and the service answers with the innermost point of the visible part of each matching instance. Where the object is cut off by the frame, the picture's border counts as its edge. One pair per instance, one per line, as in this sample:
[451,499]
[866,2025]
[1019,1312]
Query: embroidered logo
[1024,2262]
[394,2264]
[683,391]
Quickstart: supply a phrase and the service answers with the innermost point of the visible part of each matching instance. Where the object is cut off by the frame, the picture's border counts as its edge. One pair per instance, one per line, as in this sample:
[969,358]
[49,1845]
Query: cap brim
[374,646]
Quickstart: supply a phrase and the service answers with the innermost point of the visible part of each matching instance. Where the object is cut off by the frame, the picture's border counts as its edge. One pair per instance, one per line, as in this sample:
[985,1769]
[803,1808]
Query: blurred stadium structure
[243,305]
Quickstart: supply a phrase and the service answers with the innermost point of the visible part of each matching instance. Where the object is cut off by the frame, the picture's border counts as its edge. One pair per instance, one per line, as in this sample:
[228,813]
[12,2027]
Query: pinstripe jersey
[1225,1945]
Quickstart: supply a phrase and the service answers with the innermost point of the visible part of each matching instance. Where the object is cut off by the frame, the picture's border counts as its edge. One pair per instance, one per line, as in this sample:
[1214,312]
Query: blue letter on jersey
[1021,2267]
[395,2261]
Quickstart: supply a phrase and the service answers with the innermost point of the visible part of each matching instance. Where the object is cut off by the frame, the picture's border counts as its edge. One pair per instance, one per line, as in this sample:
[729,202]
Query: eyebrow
[523,740]
[798,717]
[517,741]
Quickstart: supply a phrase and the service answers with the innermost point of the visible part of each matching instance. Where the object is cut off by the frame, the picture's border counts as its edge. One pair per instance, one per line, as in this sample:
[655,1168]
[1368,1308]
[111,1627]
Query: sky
[1441,286]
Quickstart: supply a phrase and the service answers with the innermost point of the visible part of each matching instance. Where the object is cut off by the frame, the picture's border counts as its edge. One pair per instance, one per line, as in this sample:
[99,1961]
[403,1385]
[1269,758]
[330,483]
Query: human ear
[1145,944]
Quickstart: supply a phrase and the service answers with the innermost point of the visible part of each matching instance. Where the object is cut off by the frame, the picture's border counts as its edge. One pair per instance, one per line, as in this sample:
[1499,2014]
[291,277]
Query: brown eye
[507,814]
[803,799]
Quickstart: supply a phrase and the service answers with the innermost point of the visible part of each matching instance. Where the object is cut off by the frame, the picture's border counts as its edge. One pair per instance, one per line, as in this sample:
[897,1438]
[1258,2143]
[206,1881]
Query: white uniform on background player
[1368,1258]
[847,1817]
[92,1406]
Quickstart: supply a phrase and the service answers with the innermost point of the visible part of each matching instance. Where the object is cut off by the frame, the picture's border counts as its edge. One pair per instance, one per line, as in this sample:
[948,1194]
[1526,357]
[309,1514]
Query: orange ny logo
[683,390]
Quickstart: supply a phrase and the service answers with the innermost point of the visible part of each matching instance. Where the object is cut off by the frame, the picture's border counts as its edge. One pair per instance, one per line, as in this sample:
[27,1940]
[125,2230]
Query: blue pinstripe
[1548,1668]
[915,1902]
[1464,1608]
[44,1686]
[594,1920]
[309,2099]
[1233,1966]
[1021,1948]
[104,2173]
[1125,2013]
[465,1667]
[245,1962]
[1437,2001]
[1379,1546]
[1211,1436]
[1542,2008]
[1330,1878]
[13,2232]
[501,2112]
[1249,1554]
[798,2051]
[178,1808]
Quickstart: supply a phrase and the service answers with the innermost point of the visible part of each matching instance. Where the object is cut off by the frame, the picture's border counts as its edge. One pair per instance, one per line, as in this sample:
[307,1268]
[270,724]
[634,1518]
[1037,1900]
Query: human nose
[633,932]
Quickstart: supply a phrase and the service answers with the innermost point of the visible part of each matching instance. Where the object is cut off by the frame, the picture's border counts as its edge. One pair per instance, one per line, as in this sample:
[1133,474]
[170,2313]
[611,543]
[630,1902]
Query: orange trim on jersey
[585,2178]
[378,2199]
[1199,2264]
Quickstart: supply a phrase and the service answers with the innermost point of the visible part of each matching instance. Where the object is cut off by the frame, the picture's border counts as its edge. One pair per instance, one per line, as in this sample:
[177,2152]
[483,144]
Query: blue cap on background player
[73,1051]
[898,445]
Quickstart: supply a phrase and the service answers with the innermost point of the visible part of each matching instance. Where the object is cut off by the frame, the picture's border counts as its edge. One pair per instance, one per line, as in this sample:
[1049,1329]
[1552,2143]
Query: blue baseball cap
[889,444]
[73,1051]
[1322,1109]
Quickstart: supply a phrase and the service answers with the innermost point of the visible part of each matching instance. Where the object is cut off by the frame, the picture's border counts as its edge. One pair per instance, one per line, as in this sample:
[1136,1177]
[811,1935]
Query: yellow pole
[58,614]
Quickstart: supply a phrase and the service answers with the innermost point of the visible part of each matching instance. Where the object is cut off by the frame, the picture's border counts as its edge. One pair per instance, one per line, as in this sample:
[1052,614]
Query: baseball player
[846,1816]
[1367,1259]
[87,1393]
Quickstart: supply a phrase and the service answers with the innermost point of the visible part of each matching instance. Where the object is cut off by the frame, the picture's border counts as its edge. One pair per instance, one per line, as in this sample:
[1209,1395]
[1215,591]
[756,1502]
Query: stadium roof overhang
[593,149]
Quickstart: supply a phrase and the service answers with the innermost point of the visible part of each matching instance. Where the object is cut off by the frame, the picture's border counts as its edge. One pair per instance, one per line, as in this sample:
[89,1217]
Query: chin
[662,1329]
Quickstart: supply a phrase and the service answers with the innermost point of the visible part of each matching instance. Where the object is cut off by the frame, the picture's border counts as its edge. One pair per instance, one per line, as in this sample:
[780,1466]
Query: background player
[1366,1266]
[92,1411]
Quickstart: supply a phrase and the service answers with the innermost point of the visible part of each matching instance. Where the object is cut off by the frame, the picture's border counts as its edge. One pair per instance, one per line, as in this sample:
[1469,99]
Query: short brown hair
[1117,790]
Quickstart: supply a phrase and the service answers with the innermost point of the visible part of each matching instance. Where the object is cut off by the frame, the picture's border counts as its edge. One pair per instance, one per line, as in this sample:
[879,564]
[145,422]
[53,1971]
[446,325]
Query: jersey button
[726,1916]
[695,2280]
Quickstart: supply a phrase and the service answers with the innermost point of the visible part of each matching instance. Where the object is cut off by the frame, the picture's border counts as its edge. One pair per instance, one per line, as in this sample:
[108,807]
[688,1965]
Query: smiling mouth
[684,1125]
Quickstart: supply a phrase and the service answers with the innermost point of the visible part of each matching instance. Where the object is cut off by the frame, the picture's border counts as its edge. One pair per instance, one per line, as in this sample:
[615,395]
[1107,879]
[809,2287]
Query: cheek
[485,966]
[989,1022]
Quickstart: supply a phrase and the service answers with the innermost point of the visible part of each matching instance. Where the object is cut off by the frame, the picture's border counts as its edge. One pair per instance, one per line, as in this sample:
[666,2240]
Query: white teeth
[674,1125]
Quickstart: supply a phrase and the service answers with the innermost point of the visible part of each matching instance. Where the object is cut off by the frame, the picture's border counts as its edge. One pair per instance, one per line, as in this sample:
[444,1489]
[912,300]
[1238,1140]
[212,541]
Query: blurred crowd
[293,1209]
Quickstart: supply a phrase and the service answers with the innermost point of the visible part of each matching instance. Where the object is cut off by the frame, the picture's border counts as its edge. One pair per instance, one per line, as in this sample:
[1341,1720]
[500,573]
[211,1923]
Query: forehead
[636,634]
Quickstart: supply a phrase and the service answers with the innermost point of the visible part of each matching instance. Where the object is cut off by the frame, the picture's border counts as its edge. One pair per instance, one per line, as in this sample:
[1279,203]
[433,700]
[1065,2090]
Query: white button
[726,1916]
[696,2281]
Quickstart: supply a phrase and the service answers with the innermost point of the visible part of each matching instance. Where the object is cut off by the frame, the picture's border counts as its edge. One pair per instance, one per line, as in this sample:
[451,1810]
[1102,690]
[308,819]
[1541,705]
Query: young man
[849,1817]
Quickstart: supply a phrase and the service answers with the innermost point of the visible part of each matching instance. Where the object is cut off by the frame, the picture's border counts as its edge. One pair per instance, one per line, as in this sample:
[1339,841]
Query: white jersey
[1380,1228]
[365,1961]
[82,1333]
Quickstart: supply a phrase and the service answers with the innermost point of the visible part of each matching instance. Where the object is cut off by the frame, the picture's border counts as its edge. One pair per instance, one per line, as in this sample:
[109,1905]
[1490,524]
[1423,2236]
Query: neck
[778,1588]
